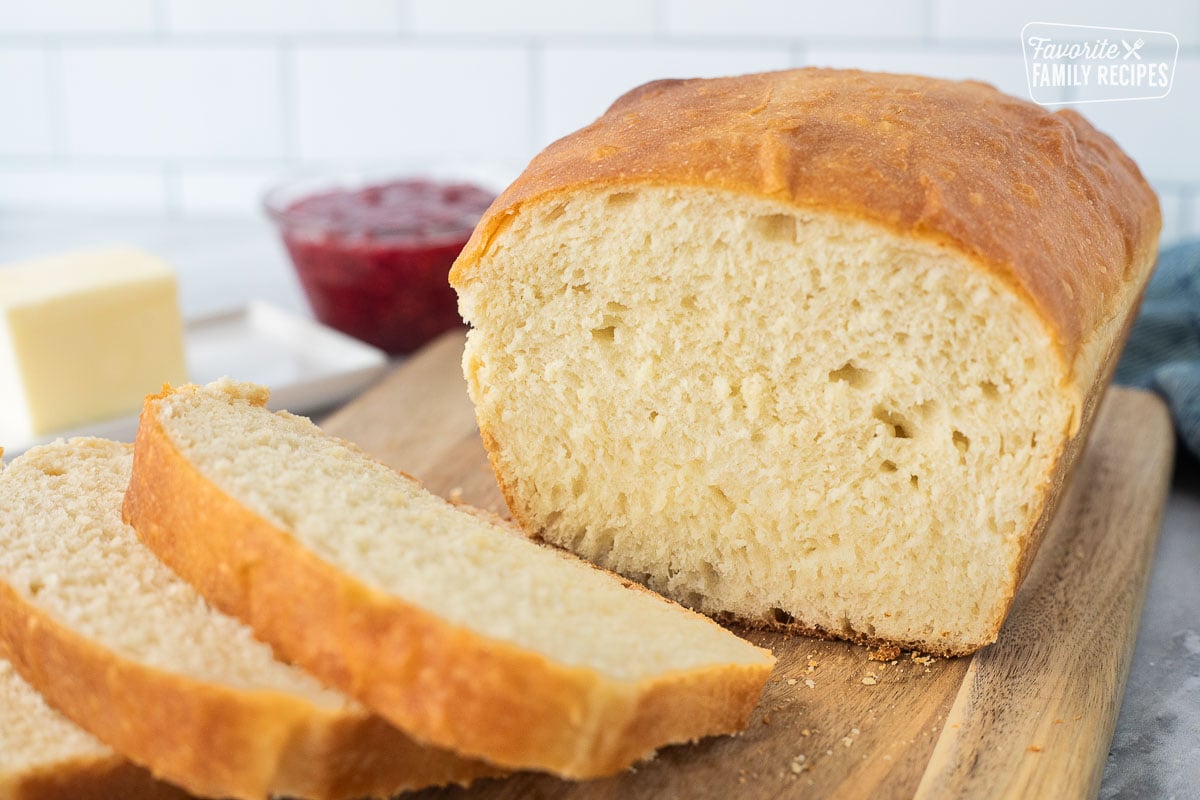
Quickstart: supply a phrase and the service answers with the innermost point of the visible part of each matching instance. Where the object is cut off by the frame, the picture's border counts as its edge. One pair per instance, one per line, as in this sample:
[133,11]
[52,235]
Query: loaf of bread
[119,644]
[459,630]
[815,348]
[43,756]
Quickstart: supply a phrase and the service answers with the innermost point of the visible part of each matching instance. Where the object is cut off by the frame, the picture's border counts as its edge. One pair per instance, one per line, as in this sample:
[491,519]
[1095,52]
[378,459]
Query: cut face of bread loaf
[814,348]
[459,630]
[123,647]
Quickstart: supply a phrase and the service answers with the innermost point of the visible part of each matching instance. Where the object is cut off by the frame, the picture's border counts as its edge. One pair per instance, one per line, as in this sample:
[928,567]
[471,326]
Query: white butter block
[85,336]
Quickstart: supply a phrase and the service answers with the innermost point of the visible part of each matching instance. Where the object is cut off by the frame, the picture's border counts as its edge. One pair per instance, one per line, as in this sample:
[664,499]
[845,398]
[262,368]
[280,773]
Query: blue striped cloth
[1163,353]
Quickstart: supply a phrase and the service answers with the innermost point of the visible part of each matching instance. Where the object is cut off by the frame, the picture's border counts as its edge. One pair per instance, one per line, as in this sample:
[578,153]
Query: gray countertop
[1155,753]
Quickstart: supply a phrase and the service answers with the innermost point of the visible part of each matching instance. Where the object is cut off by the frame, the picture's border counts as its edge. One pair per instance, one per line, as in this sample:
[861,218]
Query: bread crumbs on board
[886,652]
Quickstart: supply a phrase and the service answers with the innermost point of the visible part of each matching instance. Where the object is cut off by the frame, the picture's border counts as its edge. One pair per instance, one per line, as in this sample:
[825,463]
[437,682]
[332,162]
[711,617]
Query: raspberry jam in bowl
[373,256]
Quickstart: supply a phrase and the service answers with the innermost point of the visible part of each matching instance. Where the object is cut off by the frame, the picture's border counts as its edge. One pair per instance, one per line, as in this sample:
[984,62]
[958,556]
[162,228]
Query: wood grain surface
[1030,716]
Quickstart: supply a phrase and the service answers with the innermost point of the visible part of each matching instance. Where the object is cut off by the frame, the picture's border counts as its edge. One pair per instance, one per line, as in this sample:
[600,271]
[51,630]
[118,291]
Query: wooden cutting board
[1030,716]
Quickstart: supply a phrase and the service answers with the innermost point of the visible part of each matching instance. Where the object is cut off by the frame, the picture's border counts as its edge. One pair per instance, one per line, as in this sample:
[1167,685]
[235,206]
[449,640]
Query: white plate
[307,366]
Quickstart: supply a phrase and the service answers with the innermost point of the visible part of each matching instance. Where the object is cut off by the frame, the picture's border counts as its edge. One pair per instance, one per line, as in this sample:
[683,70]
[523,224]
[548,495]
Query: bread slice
[814,348]
[119,644]
[459,630]
[43,756]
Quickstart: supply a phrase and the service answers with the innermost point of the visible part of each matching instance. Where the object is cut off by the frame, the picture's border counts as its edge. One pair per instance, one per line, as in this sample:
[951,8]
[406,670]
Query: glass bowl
[373,251]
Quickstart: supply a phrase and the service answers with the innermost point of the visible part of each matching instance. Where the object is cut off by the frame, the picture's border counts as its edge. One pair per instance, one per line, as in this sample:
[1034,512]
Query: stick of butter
[84,336]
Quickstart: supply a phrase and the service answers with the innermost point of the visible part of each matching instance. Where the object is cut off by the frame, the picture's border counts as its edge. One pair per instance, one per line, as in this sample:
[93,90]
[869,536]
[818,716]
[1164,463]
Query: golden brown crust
[212,739]
[1072,451]
[1042,200]
[445,684]
[91,779]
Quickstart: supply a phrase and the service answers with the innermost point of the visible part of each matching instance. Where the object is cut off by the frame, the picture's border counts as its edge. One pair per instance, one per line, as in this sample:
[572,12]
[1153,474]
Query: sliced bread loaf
[815,348]
[118,643]
[459,630]
[44,756]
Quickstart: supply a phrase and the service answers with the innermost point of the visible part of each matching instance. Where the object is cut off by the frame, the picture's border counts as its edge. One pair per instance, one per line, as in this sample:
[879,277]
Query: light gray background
[159,122]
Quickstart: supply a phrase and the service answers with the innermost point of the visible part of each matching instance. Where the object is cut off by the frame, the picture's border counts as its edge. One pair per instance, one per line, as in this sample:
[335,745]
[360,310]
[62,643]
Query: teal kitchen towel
[1163,352]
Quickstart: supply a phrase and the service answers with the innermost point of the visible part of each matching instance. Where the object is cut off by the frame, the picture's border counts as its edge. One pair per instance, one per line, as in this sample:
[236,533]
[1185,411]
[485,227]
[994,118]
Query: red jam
[374,260]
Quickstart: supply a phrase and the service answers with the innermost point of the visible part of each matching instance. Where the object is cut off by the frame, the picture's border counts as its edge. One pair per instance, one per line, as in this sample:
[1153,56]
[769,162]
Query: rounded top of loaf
[1043,200]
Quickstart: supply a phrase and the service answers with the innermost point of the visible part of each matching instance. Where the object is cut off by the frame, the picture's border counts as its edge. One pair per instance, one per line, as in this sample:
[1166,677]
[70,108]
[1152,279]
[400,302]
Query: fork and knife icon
[1132,49]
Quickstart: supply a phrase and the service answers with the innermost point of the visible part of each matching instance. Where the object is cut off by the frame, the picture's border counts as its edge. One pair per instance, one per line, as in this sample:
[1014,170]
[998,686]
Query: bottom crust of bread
[91,779]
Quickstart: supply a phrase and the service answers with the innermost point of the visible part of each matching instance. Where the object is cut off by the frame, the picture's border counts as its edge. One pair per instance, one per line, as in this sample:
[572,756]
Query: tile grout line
[929,20]
[172,190]
[797,52]
[536,117]
[288,101]
[161,20]
[456,40]
[659,23]
[56,95]
[404,17]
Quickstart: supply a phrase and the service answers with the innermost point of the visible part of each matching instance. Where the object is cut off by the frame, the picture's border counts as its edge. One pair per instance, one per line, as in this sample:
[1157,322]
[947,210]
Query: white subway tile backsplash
[192,107]
[82,188]
[283,16]
[795,20]
[160,102]
[25,103]
[1160,135]
[532,17]
[1002,21]
[76,16]
[223,191]
[581,82]
[379,103]
[1005,71]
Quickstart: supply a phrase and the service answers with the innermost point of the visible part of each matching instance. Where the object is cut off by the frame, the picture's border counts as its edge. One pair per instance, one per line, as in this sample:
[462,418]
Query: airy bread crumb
[455,627]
